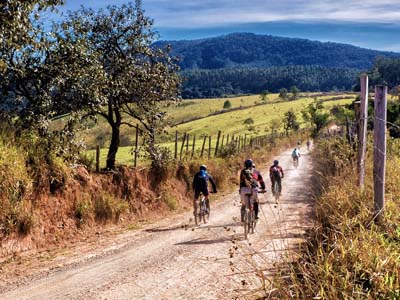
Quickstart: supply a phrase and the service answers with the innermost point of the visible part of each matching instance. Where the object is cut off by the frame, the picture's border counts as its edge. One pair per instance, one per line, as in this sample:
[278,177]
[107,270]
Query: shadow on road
[200,241]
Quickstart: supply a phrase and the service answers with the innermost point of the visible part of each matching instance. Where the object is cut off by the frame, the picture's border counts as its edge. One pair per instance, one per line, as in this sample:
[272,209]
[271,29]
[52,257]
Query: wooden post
[348,131]
[187,146]
[217,144]
[204,144]
[227,140]
[237,144]
[209,147]
[245,140]
[183,145]
[194,145]
[222,141]
[97,158]
[136,145]
[380,150]
[176,145]
[362,127]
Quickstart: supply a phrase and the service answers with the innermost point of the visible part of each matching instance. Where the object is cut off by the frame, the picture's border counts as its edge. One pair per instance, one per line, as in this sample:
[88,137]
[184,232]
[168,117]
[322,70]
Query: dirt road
[175,260]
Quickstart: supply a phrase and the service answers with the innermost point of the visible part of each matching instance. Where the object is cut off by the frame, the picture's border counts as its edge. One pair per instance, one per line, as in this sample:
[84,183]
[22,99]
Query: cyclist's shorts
[197,193]
[244,197]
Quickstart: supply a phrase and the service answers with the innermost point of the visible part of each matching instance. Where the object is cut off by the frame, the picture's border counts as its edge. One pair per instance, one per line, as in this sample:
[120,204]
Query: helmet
[203,168]
[276,162]
[248,163]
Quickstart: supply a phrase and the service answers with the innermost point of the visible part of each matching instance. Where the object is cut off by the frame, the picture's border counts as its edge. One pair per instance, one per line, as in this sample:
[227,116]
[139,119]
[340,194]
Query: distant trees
[264,96]
[295,92]
[385,71]
[290,121]
[250,80]
[283,93]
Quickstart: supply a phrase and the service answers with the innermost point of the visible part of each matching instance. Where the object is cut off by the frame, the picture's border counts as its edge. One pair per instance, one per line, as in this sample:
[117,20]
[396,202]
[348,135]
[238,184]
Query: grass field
[231,122]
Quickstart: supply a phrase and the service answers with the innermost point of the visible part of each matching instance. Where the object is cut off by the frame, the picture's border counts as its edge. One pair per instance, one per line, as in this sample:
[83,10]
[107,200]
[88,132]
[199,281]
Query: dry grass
[347,255]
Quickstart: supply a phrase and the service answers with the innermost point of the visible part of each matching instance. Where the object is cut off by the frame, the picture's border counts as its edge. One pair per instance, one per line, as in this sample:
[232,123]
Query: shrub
[248,121]
[106,207]
[83,210]
[227,104]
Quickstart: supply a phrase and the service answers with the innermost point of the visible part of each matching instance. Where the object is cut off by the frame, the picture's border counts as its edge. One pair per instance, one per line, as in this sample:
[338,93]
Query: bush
[227,104]
[248,121]
[83,210]
[106,207]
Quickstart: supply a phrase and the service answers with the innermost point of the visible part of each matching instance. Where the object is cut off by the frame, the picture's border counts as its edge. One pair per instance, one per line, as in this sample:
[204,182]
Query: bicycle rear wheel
[246,224]
[277,192]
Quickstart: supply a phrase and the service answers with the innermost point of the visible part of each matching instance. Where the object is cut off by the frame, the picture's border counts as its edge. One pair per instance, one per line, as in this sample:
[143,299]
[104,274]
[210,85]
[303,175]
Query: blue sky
[366,23]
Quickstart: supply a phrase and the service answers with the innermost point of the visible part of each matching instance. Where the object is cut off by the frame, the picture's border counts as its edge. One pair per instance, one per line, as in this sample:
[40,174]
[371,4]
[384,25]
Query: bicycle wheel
[245,224]
[251,221]
[277,192]
[203,210]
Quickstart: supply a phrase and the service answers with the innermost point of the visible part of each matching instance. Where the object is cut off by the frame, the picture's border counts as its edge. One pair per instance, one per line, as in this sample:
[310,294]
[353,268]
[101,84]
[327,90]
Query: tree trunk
[114,145]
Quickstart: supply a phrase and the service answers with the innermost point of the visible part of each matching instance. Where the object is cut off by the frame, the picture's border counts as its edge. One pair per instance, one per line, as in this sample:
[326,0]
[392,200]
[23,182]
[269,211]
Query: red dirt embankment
[87,201]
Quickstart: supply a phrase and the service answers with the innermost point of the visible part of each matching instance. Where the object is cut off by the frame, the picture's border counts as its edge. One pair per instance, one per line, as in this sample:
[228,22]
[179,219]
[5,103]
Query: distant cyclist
[248,187]
[276,175]
[257,176]
[295,155]
[200,185]
[308,145]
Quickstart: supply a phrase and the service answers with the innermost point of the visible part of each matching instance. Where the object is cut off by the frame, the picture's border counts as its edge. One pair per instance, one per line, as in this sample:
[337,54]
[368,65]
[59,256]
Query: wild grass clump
[107,207]
[348,255]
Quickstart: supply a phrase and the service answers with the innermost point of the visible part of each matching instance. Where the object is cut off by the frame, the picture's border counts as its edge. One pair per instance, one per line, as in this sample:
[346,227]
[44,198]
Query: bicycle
[249,218]
[295,161]
[204,212]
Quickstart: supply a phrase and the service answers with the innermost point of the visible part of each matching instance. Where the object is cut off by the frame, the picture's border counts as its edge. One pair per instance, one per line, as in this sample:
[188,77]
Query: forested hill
[251,50]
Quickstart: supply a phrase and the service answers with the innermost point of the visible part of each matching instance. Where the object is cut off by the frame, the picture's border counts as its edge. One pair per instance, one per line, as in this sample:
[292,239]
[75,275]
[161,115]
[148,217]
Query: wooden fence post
[176,145]
[362,127]
[193,146]
[204,144]
[136,145]
[237,144]
[245,140]
[227,140]
[187,146]
[209,147]
[97,158]
[222,141]
[182,146]
[217,144]
[380,150]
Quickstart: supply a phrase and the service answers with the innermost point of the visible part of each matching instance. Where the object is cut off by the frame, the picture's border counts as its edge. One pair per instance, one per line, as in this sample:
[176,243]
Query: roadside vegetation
[347,255]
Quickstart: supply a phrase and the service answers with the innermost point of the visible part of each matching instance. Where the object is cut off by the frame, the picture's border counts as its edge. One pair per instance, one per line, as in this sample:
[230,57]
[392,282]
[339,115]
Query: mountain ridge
[260,50]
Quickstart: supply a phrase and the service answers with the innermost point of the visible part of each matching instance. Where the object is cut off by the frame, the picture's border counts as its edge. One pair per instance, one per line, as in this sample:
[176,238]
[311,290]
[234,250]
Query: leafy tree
[295,92]
[275,125]
[283,93]
[315,115]
[227,104]
[137,77]
[290,121]
[264,96]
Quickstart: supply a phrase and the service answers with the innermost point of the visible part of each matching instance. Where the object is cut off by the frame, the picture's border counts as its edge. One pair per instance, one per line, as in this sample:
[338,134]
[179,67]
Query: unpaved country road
[170,260]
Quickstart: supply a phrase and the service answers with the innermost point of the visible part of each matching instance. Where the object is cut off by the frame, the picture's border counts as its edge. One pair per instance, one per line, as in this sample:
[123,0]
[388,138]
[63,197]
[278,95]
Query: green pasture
[230,123]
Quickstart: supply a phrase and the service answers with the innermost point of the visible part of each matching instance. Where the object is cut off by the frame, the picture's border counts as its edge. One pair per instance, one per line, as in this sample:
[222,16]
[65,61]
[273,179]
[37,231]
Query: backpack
[202,179]
[276,171]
